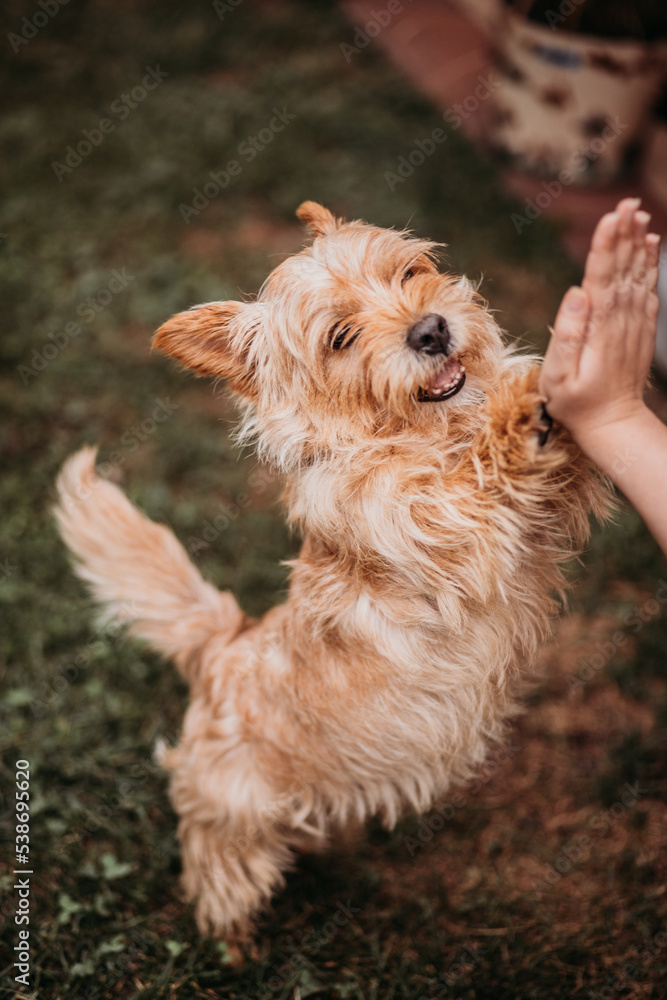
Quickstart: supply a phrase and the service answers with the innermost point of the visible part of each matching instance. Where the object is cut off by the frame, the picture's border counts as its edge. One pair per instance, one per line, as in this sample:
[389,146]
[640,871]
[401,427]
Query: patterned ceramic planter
[570,105]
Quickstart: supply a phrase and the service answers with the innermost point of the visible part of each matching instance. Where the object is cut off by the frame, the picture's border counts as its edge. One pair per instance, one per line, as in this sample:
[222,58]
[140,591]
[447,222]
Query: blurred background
[153,155]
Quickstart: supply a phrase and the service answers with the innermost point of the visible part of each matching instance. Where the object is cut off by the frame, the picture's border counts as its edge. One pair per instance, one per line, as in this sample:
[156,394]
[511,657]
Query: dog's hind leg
[230,872]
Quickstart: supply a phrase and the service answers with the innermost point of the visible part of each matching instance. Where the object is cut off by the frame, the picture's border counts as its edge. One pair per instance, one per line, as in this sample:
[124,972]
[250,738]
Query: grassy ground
[546,877]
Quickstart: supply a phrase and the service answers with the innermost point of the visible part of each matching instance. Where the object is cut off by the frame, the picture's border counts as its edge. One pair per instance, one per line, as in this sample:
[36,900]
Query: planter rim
[583,38]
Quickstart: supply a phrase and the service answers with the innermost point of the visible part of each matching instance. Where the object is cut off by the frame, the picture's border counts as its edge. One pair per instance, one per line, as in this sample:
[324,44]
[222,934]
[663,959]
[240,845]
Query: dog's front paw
[520,430]
[529,420]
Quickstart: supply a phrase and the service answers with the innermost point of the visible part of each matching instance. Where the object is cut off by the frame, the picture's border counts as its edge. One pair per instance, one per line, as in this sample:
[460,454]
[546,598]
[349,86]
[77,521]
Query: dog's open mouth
[449,380]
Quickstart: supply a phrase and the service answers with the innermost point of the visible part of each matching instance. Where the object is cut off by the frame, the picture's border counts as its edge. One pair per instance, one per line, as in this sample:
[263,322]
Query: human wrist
[611,440]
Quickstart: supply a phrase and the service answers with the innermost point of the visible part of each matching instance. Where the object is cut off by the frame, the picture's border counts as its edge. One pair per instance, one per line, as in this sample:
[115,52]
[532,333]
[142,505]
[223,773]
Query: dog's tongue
[447,375]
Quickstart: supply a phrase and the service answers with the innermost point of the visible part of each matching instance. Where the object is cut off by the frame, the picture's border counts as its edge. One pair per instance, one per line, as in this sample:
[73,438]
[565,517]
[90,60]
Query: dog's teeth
[446,388]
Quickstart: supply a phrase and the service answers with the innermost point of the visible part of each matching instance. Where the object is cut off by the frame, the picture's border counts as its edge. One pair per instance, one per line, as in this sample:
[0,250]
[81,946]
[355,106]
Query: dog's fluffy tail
[137,569]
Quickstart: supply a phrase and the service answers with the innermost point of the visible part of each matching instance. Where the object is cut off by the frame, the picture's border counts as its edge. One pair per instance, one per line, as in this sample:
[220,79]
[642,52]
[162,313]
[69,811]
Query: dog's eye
[408,274]
[340,336]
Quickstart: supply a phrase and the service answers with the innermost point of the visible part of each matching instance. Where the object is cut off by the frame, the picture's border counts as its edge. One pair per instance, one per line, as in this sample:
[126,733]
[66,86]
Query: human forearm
[633,453]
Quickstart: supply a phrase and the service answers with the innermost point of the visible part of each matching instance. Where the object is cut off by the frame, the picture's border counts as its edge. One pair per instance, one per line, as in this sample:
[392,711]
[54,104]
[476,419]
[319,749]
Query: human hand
[596,365]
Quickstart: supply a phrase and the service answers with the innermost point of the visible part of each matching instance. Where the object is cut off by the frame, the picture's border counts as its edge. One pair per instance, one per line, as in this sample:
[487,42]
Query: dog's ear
[213,340]
[319,219]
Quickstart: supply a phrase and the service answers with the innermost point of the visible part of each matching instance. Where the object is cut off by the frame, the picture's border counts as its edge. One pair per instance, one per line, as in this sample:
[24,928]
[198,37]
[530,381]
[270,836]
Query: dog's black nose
[430,335]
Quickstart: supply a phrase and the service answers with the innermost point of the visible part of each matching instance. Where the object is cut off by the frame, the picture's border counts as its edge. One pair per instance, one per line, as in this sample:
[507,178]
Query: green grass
[85,707]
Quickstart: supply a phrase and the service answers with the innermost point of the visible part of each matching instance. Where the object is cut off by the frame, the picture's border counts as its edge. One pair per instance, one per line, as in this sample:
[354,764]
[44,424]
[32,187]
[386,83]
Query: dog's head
[356,336]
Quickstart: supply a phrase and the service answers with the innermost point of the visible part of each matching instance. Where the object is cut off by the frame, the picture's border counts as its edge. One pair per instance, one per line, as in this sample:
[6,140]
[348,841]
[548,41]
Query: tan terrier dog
[436,512]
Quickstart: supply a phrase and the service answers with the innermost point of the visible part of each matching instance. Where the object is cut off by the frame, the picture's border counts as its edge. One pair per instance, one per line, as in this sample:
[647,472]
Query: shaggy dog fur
[435,526]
